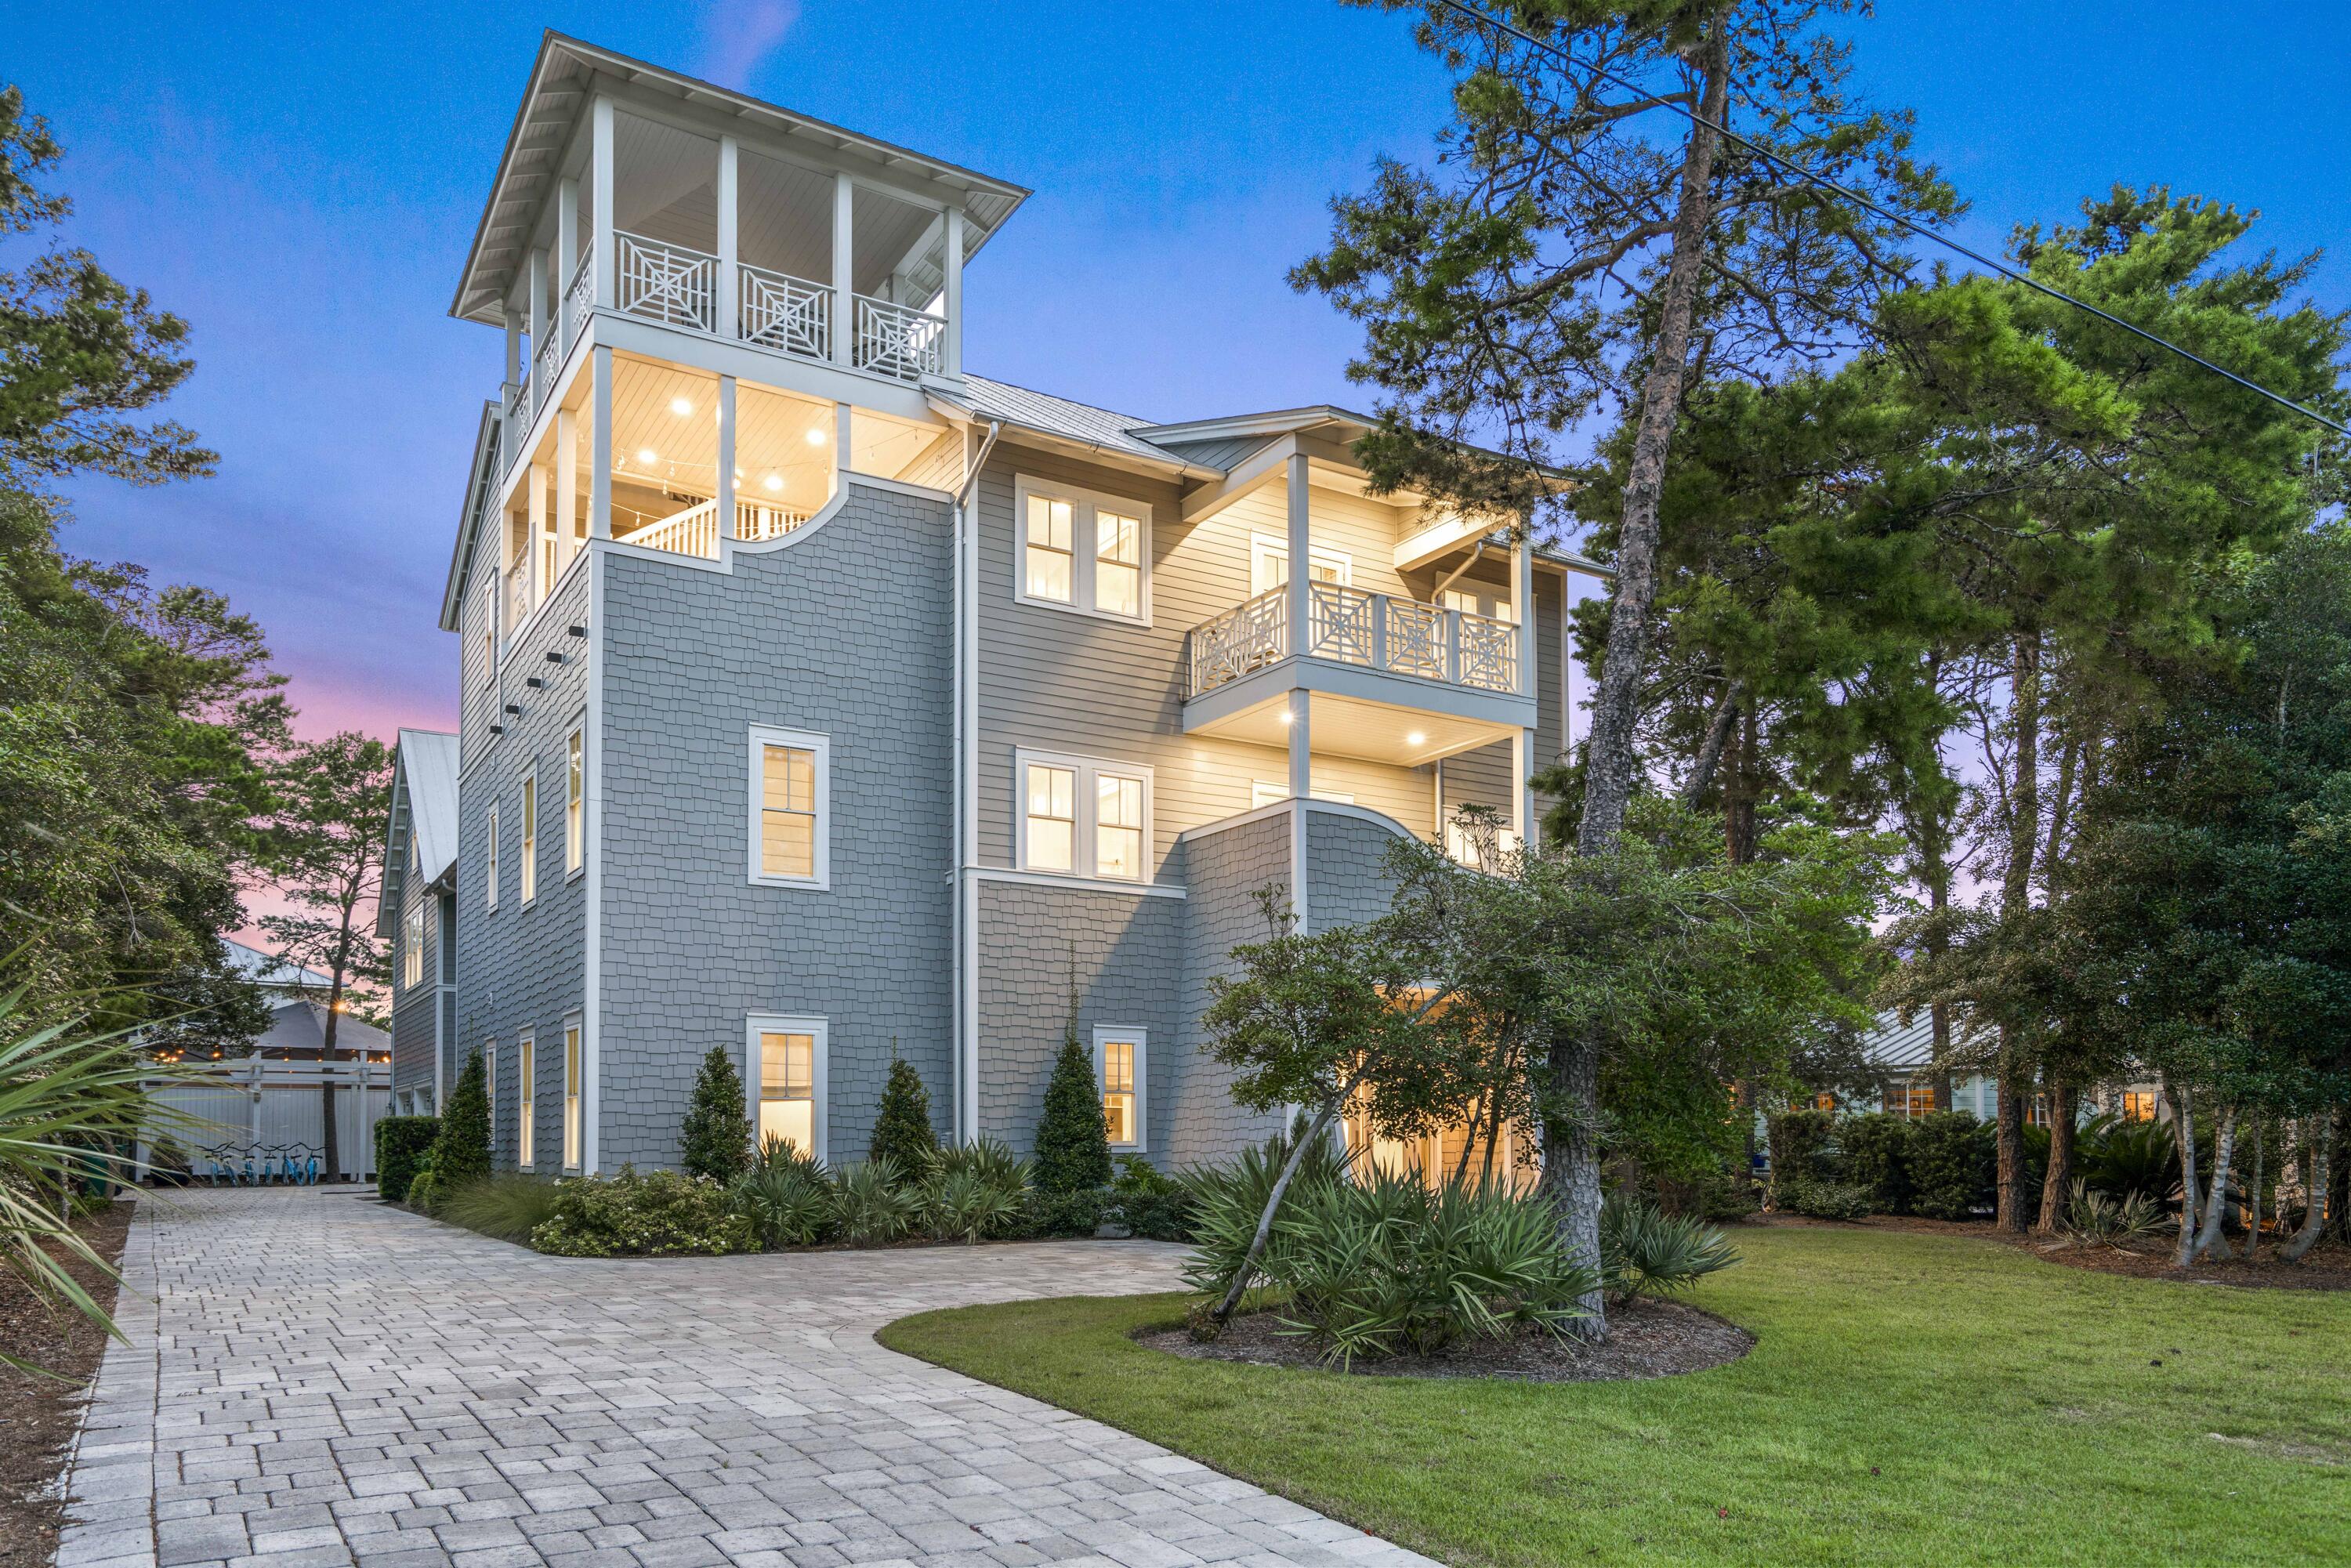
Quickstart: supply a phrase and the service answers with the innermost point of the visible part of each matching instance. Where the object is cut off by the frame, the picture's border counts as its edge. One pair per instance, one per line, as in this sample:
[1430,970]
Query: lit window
[1910,1097]
[1118,564]
[789,832]
[1082,551]
[412,948]
[788,1089]
[575,785]
[1069,801]
[1046,555]
[529,837]
[526,1080]
[1052,817]
[490,1081]
[1118,1062]
[2139,1106]
[571,1095]
[1824,1101]
[490,866]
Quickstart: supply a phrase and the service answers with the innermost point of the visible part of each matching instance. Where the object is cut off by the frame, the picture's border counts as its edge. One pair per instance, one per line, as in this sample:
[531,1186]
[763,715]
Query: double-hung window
[575,790]
[490,1082]
[1118,1067]
[571,1065]
[791,818]
[526,1086]
[1082,551]
[412,948]
[786,1081]
[1082,817]
[529,837]
[490,862]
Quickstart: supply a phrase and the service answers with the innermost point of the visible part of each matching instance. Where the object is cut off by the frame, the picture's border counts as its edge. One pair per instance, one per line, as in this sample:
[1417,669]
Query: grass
[1911,1399]
[509,1207]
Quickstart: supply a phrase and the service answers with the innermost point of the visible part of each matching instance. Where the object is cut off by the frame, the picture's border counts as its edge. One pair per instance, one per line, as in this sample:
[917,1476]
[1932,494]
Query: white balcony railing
[518,604]
[1357,627]
[776,310]
[695,530]
[666,282]
[754,522]
[892,340]
[579,296]
[544,365]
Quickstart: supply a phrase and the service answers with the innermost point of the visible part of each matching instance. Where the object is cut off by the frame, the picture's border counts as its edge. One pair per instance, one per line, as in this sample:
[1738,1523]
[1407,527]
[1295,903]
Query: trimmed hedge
[1877,1149]
[401,1143]
[1953,1158]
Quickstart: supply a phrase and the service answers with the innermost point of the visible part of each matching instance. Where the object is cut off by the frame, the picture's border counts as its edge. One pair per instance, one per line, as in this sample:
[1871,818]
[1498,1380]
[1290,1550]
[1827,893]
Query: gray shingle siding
[1346,882]
[1224,867]
[843,631]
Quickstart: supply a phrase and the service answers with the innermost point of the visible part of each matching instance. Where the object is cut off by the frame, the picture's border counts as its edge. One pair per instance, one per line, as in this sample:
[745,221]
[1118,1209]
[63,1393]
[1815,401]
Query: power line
[1913,226]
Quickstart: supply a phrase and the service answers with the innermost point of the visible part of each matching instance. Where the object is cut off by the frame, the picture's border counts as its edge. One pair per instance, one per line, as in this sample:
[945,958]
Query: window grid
[790,810]
[1083,816]
[1052,817]
[788,1089]
[1118,1065]
[412,944]
[1049,567]
[1082,551]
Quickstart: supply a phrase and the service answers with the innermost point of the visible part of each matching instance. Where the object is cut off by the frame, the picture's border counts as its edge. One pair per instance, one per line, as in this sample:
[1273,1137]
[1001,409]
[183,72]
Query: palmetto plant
[786,1204]
[870,1204]
[1645,1252]
[2097,1219]
[71,1105]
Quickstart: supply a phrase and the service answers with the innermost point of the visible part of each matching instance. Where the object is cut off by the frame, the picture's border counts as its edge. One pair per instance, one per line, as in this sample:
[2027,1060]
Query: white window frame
[575,804]
[530,836]
[491,630]
[491,871]
[1085,850]
[525,1100]
[762,737]
[819,1030]
[1105,1034]
[1315,555]
[1084,543]
[490,1083]
[575,1100]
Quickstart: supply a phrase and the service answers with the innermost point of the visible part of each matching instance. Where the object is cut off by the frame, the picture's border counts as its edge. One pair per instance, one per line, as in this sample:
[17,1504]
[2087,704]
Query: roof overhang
[1026,435]
[480,484]
[561,81]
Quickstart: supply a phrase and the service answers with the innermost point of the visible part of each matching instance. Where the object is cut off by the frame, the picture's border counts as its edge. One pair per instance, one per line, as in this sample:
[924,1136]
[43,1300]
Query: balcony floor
[1344,725]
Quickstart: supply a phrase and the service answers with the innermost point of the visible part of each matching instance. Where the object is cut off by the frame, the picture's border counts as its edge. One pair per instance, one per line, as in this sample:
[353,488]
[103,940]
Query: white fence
[262,1118]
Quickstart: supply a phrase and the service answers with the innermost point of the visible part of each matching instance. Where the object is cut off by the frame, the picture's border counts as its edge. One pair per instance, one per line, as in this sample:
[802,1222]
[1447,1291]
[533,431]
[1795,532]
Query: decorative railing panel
[776,310]
[665,282]
[514,415]
[892,340]
[544,365]
[519,605]
[579,296]
[1357,627]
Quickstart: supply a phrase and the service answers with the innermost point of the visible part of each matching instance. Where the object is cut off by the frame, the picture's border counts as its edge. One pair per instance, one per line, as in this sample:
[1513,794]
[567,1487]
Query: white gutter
[967,795]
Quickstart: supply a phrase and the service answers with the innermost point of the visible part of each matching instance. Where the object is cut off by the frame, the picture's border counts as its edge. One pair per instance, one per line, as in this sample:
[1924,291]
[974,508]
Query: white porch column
[600,480]
[538,323]
[567,488]
[952,350]
[540,528]
[1522,600]
[840,444]
[729,291]
[727,458]
[1302,784]
[1299,533]
[566,233]
[600,175]
[844,311]
[514,344]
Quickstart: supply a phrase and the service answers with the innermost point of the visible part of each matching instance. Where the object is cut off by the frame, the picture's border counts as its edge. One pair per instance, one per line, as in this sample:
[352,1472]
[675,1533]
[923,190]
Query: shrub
[1066,1214]
[1072,1143]
[902,1127]
[965,1203]
[715,1141]
[168,1162]
[778,1154]
[652,1215]
[2099,1220]
[787,1204]
[1804,1149]
[1824,1199]
[1645,1252]
[461,1152]
[1951,1166]
[509,1207]
[399,1143]
[1876,1149]
[1382,1265]
[425,1186]
[869,1205]
[2125,1159]
[1161,1216]
[1138,1177]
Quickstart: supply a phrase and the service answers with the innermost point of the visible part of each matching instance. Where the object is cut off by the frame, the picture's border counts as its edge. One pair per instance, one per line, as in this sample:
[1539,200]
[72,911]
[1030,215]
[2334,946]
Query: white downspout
[967,795]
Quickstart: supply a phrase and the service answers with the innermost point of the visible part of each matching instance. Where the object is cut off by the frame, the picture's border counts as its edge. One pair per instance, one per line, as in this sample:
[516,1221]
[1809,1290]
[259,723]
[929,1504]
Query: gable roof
[1062,419]
[270,969]
[425,780]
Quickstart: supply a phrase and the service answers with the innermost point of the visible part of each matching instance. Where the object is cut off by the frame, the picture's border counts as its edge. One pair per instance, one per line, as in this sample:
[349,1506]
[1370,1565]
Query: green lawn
[1910,1399]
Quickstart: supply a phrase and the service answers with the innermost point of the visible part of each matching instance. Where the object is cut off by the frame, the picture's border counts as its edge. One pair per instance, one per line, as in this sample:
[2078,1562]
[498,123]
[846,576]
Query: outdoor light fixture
[497,729]
[578,630]
[515,708]
[815,437]
[1415,738]
[680,407]
[533,681]
[772,482]
[1287,716]
[555,658]
[647,455]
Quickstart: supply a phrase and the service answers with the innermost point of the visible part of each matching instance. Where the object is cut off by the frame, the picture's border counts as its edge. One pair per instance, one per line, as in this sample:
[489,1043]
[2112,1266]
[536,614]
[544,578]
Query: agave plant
[869,1205]
[1645,1252]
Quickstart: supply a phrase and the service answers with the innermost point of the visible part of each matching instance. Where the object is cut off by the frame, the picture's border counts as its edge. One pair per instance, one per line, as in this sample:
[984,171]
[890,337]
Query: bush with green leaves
[2124,1159]
[641,1214]
[424,1185]
[1384,1265]
[902,1125]
[1645,1252]
[2099,1220]
[966,1205]
[509,1207]
[787,1203]
[1804,1149]
[399,1143]
[1072,1141]
[461,1150]
[1876,1149]
[715,1141]
[1824,1199]
[871,1204]
[1952,1165]
[1063,1215]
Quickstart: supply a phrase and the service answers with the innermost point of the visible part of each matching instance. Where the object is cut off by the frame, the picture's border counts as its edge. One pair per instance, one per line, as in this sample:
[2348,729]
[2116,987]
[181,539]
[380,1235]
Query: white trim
[1082,545]
[1085,850]
[527,1099]
[490,882]
[1263,813]
[592,885]
[572,1087]
[1140,1039]
[820,1031]
[763,736]
[1075,883]
[528,874]
[577,735]
[1316,555]
[1271,793]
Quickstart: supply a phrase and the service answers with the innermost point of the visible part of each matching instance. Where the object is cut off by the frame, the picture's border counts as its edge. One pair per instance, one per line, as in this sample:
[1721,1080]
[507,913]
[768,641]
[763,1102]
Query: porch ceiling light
[646,454]
[1287,716]
[1415,738]
[681,406]
[772,482]
[815,437]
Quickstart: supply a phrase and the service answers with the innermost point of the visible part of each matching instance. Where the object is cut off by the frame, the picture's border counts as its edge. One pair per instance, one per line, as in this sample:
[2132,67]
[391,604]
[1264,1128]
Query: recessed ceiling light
[647,454]
[681,406]
[1287,716]
[1415,738]
[815,437]
[773,482]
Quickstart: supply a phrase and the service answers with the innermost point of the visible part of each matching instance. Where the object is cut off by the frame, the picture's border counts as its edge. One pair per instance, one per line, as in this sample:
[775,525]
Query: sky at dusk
[301,183]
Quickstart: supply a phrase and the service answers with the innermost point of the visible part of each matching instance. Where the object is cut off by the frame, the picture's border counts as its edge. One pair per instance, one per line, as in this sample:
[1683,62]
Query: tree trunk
[1739,800]
[2008,1128]
[332,1169]
[1709,752]
[1609,760]
[2183,1132]
[2056,1184]
[2253,1195]
[2318,1133]
[2016,897]
[1570,1168]
[2210,1242]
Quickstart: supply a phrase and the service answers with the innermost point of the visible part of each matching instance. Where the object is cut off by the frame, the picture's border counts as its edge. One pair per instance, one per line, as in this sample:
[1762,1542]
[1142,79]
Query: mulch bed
[2326,1267]
[1646,1339]
[38,1416]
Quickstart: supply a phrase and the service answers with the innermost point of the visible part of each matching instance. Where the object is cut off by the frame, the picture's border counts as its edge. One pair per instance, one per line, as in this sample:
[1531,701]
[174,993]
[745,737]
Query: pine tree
[1073,1141]
[716,1139]
[901,1129]
[461,1150]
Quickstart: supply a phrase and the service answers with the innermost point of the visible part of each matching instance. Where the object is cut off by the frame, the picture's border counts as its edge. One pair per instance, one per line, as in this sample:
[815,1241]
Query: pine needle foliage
[902,1127]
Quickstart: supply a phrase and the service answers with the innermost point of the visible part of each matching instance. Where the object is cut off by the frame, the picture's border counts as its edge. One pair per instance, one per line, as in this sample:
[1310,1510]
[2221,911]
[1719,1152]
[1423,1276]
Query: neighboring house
[297,1032]
[824,701]
[275,976]
[1904,1057]
[417,915]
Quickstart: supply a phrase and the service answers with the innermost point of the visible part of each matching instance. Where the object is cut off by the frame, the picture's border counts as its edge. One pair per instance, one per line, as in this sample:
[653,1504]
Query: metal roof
[1059,416]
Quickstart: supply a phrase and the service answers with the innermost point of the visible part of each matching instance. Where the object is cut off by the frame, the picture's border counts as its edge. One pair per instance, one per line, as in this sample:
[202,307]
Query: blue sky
[301,183]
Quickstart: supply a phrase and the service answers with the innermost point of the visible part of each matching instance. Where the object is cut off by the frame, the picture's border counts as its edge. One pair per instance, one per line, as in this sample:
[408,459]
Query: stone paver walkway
[314,1380]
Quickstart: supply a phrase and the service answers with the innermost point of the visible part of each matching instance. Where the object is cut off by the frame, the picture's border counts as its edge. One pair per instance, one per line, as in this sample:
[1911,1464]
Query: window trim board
[763,736]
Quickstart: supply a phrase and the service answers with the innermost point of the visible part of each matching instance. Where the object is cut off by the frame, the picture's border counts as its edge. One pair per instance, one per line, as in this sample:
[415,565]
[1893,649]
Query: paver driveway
[314,1379]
